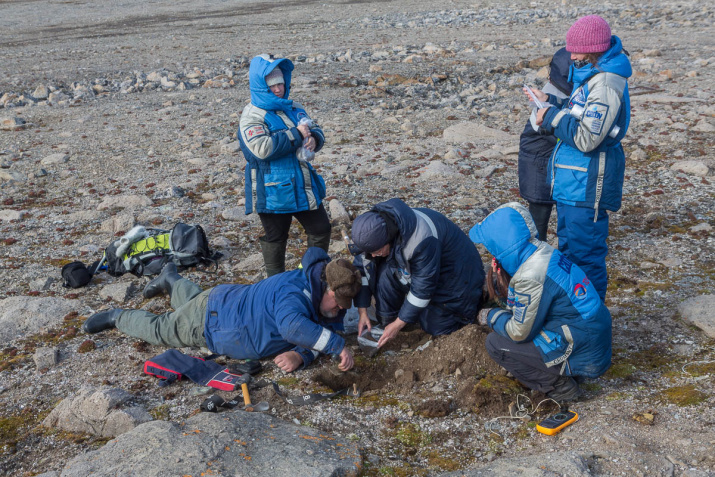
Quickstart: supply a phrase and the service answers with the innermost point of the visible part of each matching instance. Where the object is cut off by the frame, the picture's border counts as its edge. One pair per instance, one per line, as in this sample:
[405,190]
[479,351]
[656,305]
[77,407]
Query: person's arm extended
[526,317]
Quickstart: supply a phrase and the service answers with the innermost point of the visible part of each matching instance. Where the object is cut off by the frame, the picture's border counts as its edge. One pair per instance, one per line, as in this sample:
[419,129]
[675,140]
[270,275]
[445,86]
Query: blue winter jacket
[550,302]
[276,180]
[274,315]
[432,256]
[587,166]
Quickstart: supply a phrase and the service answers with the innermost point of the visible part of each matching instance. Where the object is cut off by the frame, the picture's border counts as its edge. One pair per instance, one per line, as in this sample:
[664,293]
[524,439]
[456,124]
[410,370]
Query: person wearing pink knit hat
[586,170]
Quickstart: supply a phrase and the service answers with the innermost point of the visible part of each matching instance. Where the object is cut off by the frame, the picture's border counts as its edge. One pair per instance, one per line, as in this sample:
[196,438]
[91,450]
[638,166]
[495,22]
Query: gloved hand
[482,316]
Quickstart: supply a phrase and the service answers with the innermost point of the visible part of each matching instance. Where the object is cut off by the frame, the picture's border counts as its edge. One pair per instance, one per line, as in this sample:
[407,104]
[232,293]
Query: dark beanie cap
[344,279]
[370,232]
[559,74]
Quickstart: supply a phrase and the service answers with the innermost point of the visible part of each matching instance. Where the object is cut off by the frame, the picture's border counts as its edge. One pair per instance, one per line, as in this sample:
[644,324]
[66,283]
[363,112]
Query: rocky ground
[124,114]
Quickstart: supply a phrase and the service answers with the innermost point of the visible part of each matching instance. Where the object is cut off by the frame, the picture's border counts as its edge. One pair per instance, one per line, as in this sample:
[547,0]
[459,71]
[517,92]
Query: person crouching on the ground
[294,314]
[536,147]
[419,267]
[555,328]
[279,186]
[587,168]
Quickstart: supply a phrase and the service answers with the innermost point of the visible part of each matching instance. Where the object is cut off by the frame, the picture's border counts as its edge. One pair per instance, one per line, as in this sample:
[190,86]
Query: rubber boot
[321,241]
[274,256]
[162,283]
[104,320]
[566,389]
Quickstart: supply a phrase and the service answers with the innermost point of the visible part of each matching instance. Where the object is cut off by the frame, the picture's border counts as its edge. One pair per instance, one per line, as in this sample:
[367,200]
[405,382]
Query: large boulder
[227,443]
[700,311]
[25,315]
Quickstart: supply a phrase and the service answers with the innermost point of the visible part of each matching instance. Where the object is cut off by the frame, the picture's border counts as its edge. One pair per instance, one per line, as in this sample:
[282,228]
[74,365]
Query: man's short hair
[344,279]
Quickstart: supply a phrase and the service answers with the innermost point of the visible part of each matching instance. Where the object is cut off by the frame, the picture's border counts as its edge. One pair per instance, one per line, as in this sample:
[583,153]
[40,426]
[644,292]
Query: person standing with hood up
[279,185]
[587,167]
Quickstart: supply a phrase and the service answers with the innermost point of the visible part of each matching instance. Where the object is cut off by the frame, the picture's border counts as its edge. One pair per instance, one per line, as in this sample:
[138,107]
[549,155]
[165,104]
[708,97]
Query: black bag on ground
[76,275]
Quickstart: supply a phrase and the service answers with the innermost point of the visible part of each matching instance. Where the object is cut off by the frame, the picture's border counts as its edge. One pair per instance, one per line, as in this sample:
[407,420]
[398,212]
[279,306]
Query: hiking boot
[565,390]
[104,320]
[274,255]
[320,241]
[162,283]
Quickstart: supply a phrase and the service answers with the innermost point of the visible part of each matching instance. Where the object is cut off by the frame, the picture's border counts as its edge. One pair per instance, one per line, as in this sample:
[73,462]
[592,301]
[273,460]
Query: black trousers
[524,361]
[541,214]
[276,226]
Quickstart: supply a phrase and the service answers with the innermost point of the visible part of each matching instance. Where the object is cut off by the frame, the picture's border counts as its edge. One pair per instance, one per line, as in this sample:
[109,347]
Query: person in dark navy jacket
[536,147]
[553,328]
[294,315]
[419,267]
[279,183]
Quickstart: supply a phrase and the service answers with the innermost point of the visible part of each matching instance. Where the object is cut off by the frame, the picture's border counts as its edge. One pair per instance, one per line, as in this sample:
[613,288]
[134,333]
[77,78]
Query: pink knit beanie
[589,34]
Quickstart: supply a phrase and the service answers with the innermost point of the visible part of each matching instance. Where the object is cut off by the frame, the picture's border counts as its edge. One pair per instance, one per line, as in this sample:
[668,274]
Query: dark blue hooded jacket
[276,180]
[550,302]
[432,256]
[274,315]
[588,165]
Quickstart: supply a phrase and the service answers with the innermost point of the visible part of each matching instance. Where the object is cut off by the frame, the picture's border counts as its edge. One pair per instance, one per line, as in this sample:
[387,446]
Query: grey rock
[9,176]
[485,171]
[41,92]
[42,284]
[225,440]
[252,262]
[231,147]
[118,223]
[124,201]
[24,315]
[58,158]
[9,214]
[538,465]
[12,124]
[104,412]
[119,292]
[46,357]
[697,168]
[436,170]
[700,311]
[338,213]
[237,213]
[471,132]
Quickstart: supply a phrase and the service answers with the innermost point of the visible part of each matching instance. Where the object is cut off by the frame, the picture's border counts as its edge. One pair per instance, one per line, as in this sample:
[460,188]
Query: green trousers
[183,327]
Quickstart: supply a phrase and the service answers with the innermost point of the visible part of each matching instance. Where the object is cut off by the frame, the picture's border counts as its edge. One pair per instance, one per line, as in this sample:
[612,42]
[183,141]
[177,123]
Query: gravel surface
[116,114]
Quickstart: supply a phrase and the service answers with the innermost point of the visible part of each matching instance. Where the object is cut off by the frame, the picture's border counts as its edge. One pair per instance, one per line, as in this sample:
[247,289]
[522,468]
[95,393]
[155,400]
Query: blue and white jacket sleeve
[296,327]
[525,316]
[364,297]
[424,269]
[264,144]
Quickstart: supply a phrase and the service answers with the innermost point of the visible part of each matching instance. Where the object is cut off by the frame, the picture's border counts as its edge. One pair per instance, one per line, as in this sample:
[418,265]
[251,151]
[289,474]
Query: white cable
[520,413]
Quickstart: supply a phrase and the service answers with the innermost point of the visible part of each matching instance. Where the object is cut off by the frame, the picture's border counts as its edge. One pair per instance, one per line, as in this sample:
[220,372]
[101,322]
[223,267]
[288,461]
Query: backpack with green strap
[143,251]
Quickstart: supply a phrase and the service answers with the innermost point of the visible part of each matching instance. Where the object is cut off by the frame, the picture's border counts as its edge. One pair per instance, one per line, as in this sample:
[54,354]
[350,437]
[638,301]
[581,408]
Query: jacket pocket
[571,176]
[280,191]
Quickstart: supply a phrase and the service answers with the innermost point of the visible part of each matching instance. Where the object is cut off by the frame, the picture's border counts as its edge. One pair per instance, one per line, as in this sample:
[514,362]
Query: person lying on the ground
[554,329]
[420,268]
[294,315]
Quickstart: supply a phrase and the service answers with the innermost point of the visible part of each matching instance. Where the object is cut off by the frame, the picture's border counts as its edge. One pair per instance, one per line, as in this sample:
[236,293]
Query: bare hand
[391,331]
[540,116]
[304,130]
[309,143]
[346,360]
[364,322]
[540,95]
[289,361]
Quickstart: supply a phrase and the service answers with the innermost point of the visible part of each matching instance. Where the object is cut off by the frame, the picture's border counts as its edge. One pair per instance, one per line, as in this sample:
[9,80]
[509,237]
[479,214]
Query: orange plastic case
[555,424]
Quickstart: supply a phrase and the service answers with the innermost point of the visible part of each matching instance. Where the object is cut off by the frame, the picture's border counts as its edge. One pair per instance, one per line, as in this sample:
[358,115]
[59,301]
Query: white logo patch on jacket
[594,116]
[254,131]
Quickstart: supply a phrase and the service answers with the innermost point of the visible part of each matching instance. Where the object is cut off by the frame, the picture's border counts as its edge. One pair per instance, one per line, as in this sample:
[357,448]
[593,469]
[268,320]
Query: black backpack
[145,251]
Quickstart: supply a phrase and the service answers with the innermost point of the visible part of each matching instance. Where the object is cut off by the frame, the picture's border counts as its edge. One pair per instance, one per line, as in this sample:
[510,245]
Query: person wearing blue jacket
[587,168]
[278,184]
[419,267]
[554,329]
[294,315]
[536,147]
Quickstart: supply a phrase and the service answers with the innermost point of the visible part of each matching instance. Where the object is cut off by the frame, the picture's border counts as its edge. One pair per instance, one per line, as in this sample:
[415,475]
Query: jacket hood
[261,95]
[401,213]
[509,233]
[614,60]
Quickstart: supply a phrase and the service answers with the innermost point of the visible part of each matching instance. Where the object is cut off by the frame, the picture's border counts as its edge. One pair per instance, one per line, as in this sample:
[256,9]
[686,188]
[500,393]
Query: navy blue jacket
[274,315]
[435,258]
[550,301]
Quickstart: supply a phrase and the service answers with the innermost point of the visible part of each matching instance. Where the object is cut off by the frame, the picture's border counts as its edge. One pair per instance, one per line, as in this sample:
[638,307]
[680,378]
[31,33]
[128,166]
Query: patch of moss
[376,400]
[499,383]
[653,358]
[439,460]
[411,435]
[620,370]
[288,381]
[700,369]
[684,395]
[591,387]
[161,412]
[87,346]
[617,396]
